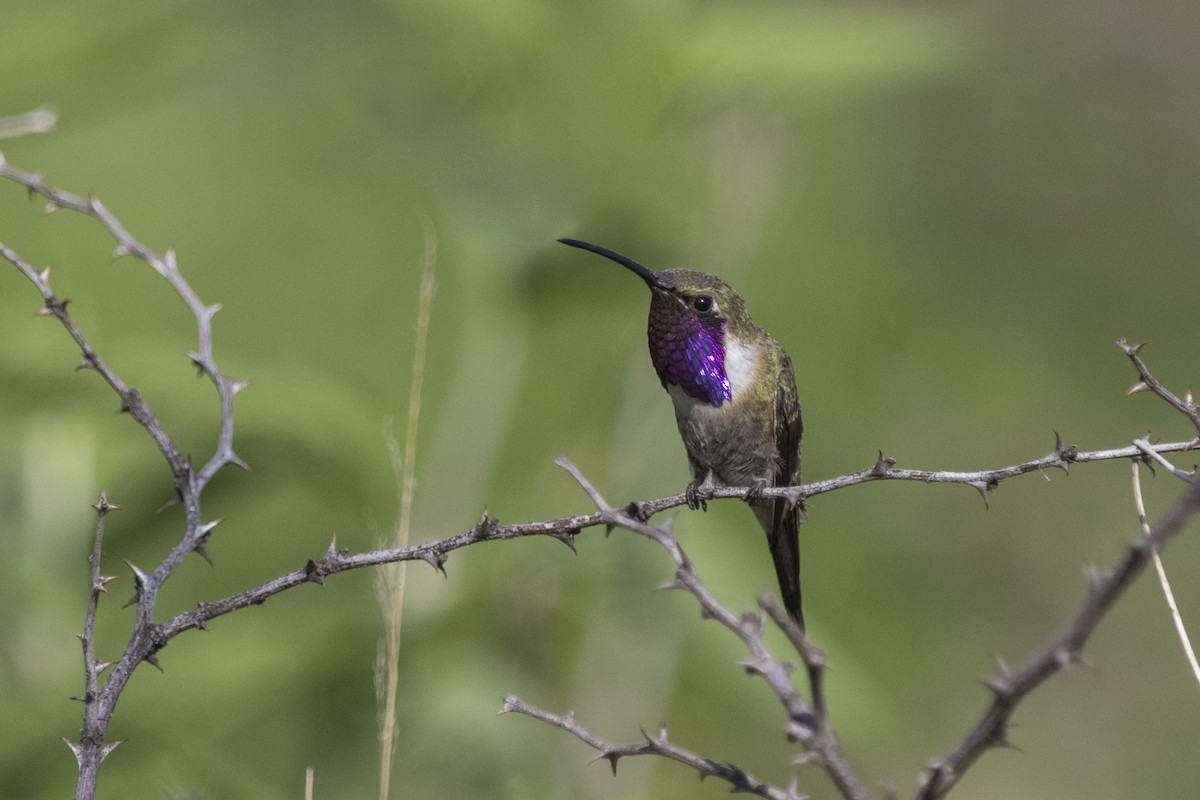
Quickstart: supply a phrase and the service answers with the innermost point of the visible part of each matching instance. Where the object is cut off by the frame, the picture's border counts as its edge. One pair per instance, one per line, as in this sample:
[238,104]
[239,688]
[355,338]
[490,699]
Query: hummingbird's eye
[703,304]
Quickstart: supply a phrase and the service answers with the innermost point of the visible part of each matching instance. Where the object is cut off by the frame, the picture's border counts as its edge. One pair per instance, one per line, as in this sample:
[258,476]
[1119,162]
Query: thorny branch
[739,781]
[809,725]
[1009,688]
[145,641]
[1185,405]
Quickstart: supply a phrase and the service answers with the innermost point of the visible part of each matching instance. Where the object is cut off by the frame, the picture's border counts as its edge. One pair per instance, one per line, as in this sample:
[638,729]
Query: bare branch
[1185,405]
[815,734]
[90,757]
[739,780]
[1010,688]
[145,641]
[884,469]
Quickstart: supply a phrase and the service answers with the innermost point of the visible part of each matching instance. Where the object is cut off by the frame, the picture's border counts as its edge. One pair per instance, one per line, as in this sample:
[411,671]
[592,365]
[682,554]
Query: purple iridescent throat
[688,352]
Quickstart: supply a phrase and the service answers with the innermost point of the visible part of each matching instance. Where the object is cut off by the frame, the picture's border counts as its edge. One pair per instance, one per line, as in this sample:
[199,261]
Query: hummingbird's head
[692,315]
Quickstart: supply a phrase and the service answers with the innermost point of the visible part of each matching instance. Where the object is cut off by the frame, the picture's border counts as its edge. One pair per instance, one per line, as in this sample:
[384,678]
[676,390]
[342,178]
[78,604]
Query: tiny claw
[698,492]
[638,511]
[754,494]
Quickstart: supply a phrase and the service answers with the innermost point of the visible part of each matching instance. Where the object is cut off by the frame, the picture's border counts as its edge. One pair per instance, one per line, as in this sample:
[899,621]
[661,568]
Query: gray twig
[146,639]
[739,780]
[1185,405]
[1011,687]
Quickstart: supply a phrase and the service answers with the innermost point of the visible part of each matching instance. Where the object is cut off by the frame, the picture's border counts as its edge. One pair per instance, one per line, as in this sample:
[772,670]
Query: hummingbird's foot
[754,495]
[698,492]
[638,511]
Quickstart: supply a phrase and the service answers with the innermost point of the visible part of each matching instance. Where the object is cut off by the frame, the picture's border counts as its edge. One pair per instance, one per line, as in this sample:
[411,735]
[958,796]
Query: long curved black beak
[645,273]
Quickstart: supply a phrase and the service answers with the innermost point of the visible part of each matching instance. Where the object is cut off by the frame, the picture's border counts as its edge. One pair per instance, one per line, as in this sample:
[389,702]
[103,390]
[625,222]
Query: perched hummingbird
[735,399]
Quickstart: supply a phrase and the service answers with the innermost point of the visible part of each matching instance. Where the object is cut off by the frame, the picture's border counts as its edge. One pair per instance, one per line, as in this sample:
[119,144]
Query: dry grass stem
[390,580]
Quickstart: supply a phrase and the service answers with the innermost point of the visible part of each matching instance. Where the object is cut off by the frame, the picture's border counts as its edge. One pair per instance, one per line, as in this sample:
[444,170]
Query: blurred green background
[945,212]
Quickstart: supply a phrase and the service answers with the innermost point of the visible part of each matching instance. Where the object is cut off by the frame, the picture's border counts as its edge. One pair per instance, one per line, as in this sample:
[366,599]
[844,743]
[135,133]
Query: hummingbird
[736,405]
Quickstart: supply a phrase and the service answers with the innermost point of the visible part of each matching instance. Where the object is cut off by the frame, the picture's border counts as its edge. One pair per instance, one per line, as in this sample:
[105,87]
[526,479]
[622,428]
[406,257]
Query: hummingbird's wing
[784,536]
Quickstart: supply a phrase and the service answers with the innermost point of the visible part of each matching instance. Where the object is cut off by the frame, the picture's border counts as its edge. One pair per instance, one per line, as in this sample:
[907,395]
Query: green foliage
[946,216]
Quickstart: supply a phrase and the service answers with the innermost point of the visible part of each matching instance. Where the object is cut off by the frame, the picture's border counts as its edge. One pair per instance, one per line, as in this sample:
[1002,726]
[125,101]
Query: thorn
[793,790]
[102,505]
[437,561]
[210,310]
[169,260]
[237,386]
[882,464]
[198,362]
[118,251]
[1140,386]
[509,704]
[801,727]
[982,488]
[76,747]
[45,275]
[207,527]
[236,460]
[750,667]
[152,660]
[202,551]
[567,537]
[139,582]
[174,501]
[51,207]
[674,583]
[103,665]
[1005,744]
[612,757]
[1002,666]
[998,685]
[484,527]
[313,573]
[1187,396]
[1063,658]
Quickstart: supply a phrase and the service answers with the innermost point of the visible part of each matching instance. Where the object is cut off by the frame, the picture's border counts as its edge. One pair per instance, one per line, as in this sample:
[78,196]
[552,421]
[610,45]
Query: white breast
[742,362]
